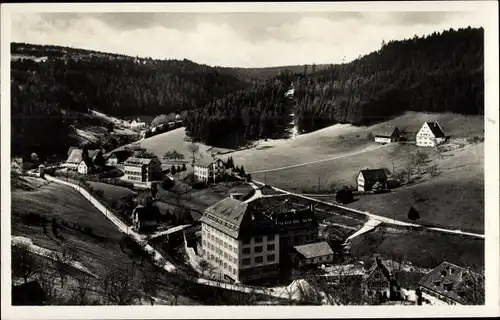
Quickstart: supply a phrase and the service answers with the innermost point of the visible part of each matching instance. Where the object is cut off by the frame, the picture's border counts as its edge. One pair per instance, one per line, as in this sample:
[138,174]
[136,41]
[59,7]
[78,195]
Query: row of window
[258,249]
[134,178]
[219,241]
[270,238]
[133,173]
[219,251]
[259,259]
[222,264]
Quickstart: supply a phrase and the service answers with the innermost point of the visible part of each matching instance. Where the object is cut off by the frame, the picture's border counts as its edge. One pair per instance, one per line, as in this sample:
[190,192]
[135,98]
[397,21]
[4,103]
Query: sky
[235,39]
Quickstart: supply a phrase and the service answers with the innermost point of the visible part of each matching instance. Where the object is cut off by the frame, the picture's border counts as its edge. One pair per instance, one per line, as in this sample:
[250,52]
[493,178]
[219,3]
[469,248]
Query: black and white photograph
[274,155]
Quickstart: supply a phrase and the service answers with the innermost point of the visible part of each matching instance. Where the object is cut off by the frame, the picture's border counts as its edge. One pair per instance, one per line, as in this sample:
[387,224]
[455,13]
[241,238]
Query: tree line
[441,72]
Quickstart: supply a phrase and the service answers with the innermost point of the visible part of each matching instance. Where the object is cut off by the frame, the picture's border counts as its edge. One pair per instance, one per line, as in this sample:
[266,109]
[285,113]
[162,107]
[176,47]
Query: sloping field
[65,204]
[455,199]
[342,139]
[171,140]
[112,192]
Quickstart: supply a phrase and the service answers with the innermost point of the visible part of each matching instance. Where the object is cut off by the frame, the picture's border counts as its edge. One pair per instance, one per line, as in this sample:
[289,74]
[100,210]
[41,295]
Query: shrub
[370,136]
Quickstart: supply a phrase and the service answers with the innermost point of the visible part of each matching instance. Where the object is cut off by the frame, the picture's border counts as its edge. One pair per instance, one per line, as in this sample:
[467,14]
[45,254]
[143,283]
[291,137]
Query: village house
[142,170]
[243,243]
[313,254]
[378,283]
[388,136]
[118,157]
[209,169]
[137,124]
[77,162]
[145,218]
[430,135]
[372,179]
[454,285]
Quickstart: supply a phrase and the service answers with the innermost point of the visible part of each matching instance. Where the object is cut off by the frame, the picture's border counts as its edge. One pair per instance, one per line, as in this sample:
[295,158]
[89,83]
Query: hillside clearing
[112,192]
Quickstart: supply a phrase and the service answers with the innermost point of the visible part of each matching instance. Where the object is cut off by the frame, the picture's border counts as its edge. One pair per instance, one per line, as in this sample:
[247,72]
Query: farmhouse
[370,178]
[454,285]
[313,253]
[242,243]
[388,136]
[137,124]
[209,169]
[378,283]
[430,135]
[77,160]
[142,170]
[118,157]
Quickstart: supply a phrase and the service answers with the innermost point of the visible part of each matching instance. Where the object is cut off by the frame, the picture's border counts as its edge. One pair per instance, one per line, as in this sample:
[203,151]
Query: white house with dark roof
[241,242]
[141,170]
[313,253]
[430,135]
[208,168]
[389,135]
[369,178]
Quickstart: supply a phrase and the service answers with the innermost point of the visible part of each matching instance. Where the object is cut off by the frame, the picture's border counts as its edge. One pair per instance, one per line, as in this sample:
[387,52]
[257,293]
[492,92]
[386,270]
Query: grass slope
[66,204]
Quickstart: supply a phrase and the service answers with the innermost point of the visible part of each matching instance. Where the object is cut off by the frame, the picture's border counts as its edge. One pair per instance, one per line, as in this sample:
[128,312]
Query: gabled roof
[135,161]
[386,132]
[121,155]
[237,219]
[75,156]
[454,282]
[226,215]
[206,161]
[313,250]
[436,129]
[374,174]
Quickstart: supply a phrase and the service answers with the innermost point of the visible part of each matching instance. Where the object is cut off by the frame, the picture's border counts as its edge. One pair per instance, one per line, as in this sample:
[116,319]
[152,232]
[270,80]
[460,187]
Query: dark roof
[135,161]
[121,155]
[206,160]
[374,174]
[28,294]
[436,129]
[237,219]
[313,250]
[386,132]
[456,283]
[285,212]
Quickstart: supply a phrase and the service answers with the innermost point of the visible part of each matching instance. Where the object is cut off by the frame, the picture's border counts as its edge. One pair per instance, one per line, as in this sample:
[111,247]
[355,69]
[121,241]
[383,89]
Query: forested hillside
[78,80]
[258,112]
[442,72]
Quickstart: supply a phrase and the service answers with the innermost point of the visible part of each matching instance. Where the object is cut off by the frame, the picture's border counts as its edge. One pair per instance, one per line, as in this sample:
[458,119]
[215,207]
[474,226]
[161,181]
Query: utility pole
[319,181]
[393,167]
[265,178]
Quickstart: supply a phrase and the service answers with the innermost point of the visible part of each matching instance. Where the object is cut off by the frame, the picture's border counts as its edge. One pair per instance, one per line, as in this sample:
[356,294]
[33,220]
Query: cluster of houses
[430,134]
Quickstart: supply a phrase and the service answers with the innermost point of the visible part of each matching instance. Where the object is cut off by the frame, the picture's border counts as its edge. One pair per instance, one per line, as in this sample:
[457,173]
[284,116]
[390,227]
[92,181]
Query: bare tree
[433,170]
[81,292]
[64,260]
[149,283]
[194,148]
[47,281]
[120,287]
[204,266]
[25,264]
